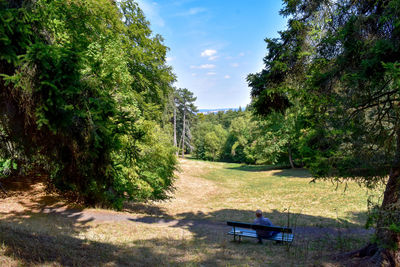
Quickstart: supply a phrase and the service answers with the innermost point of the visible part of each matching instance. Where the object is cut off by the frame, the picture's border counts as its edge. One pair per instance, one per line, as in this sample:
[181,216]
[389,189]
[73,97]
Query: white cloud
[235,65]
[204,66]
[169,59]
[227,77]
[211,73]
[241,54]
[208,53]
[194,74]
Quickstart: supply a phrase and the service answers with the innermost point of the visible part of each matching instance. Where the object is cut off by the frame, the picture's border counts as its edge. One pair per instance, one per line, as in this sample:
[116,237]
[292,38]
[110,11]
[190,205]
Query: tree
[175,142]
[276,138]
[184,100]
[82,85]
[209,140]
[340,60]
[240,138]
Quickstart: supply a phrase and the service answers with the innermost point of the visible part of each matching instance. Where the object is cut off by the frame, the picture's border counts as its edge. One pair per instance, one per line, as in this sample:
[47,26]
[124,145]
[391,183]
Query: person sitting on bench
[263,221]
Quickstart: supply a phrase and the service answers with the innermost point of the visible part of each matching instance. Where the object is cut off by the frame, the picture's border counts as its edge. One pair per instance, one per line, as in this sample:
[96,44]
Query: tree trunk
[180,145]
[188,137]
[389,216]
[183,132]
[290,158]
[175,143]
[386,250]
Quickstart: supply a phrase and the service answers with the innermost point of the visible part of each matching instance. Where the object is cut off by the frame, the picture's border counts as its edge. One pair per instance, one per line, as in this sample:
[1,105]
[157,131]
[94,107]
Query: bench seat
[240,229]
[280,237]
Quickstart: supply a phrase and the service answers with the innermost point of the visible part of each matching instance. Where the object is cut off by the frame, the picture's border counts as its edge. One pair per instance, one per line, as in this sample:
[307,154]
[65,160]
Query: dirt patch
[25,193]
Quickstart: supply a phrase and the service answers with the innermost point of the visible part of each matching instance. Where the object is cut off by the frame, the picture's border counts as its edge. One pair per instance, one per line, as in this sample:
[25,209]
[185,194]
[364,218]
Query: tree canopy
[338,64]
[83,85]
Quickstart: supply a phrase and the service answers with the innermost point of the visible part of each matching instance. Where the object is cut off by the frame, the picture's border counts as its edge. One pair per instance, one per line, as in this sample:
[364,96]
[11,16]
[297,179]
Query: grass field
[189,229]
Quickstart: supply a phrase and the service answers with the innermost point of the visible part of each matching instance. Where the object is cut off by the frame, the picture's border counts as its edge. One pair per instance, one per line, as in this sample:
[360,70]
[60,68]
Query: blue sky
[215,44]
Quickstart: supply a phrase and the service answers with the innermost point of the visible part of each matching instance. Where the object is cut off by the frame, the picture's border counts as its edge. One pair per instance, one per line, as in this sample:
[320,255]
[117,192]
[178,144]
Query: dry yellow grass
[188,230]
[222,191]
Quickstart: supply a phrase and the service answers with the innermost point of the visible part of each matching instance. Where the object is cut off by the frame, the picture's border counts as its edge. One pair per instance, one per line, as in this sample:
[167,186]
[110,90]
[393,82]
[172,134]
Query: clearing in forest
[189,229]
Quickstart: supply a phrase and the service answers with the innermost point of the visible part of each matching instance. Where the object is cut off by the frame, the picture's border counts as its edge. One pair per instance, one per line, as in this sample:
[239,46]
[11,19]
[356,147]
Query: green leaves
[146,62]
[86,82]
[7,166]
[209,141]
[337,65]
[15,32]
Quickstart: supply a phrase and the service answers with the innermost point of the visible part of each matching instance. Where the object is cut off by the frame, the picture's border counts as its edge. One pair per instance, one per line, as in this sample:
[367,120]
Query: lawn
[189,229]
[220,191]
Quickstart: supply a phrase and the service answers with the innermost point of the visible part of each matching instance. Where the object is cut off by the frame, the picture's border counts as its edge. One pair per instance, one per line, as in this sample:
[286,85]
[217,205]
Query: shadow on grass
[282,170]
[30,239]
[258,168]
[218,219]
[323,241]
[145,208]
[66,250]
[55,235]
[294,173]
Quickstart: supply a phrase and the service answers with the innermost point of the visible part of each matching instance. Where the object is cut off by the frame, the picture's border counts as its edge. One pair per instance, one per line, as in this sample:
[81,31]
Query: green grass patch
[277,191]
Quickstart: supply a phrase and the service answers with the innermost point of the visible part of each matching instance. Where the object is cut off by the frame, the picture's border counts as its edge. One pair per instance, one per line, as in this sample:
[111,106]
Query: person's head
[258,213]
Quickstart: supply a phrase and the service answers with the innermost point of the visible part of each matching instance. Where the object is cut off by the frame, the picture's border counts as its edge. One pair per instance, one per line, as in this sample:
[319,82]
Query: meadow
[189,229]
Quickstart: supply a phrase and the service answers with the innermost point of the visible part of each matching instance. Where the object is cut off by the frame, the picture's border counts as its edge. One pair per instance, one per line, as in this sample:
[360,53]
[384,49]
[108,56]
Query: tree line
[242,136]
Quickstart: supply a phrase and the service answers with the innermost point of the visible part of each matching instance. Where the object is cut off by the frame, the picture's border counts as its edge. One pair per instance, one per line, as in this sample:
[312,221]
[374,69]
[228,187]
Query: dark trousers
[264,235]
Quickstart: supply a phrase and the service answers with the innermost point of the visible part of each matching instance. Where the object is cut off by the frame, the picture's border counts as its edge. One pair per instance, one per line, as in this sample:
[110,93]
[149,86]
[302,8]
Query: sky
[215,44]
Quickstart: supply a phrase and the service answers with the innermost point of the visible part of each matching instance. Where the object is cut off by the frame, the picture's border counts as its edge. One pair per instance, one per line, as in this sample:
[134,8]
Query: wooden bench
[240,229]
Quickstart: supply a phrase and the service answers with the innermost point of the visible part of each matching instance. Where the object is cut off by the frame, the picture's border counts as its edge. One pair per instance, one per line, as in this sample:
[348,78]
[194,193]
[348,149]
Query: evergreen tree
[340,60]
[186,110]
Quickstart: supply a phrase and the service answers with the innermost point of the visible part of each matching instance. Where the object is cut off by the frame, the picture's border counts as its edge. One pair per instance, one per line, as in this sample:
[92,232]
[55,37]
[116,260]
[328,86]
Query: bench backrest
[259,227]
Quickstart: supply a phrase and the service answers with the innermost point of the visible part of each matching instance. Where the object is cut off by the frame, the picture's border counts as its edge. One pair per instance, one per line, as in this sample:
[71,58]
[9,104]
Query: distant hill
[216,110]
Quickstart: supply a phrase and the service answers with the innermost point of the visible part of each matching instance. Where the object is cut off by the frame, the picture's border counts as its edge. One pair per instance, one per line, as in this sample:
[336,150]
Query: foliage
[81,82]
[7,166]
[278,139]
[340,61]
[185,117]
[253,139]
[347,94]
[223,136]
[209,141]
[241,139]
